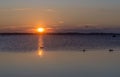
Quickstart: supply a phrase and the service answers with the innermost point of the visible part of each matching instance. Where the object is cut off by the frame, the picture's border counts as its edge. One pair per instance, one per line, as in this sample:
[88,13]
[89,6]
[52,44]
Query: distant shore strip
[114,34]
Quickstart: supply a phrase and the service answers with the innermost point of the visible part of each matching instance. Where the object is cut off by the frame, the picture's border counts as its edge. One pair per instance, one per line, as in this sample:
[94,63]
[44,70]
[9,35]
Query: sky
[60,15]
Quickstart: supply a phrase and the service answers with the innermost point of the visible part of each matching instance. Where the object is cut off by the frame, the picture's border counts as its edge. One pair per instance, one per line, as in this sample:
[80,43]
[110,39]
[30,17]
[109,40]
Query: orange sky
[23,16]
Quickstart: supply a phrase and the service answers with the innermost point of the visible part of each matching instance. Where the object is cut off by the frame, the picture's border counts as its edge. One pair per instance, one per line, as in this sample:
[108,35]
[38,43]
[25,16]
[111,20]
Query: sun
[40,30]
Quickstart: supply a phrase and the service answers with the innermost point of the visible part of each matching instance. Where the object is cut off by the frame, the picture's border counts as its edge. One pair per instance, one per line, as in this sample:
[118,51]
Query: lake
[59,56]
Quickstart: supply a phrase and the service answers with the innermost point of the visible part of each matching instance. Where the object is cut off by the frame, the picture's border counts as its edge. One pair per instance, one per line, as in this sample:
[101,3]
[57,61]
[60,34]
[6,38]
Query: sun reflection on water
[40,46]
[40,53]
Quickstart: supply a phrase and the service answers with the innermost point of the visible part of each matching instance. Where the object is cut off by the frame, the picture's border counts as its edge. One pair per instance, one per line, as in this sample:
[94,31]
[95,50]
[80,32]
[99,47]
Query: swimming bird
[114,36]
[83,50]
[111,50]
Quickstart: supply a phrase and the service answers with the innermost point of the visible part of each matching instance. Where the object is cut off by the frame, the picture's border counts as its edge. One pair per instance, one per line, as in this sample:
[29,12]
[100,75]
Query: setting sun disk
[40,29]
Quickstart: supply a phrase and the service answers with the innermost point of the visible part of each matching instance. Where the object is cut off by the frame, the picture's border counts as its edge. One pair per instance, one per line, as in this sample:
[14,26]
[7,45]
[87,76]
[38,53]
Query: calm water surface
[59,56]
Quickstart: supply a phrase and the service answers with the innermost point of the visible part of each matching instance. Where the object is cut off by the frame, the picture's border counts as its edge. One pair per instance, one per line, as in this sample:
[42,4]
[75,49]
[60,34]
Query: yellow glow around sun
[41,30]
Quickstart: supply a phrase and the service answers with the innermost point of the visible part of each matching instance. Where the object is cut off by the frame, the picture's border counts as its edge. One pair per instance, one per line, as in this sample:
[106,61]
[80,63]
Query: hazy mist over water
[59,56]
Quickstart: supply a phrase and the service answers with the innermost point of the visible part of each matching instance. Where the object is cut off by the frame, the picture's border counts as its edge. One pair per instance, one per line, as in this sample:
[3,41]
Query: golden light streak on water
[40,46]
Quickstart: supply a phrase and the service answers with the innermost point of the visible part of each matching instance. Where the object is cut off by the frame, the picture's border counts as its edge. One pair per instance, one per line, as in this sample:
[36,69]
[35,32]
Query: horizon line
[60,33]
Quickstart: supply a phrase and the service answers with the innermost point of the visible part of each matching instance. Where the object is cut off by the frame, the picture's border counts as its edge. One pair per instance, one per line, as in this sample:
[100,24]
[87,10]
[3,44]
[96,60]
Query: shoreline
[59,33]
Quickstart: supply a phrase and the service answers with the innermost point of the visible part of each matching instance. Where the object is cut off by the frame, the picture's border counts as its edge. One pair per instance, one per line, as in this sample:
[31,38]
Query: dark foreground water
[60,56]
